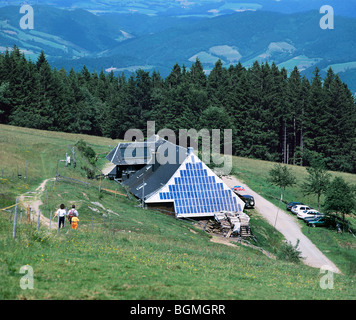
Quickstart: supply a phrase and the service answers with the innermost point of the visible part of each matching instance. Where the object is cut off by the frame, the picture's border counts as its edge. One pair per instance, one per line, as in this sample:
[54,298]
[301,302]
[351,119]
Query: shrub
[290,253]
[89,172]
[87,151]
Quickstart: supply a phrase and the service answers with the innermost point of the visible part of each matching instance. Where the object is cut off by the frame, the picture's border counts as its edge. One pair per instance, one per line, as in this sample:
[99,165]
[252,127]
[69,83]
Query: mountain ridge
[119,42]
[201,8]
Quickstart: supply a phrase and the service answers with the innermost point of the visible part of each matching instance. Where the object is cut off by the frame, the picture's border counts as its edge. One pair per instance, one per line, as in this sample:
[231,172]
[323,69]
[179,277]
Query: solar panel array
[195,192]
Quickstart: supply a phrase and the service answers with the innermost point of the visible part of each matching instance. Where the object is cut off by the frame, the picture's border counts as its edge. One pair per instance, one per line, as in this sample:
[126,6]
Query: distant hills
[125,42]
[196,8]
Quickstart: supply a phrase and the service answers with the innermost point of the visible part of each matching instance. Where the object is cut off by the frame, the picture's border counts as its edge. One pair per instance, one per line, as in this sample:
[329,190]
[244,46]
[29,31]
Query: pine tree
[339,125]
[305,92]
[143,97]
[5,102]
[197,77]
[278,117]
[101,87]
[265,109]
[315,118]
[237,107]
[60,101]
[215,118]
[254,123]
[74,96]
[23,82]
[47,91]
[175,77]
[218,81]
[41,60]
[85,78]
[295,103]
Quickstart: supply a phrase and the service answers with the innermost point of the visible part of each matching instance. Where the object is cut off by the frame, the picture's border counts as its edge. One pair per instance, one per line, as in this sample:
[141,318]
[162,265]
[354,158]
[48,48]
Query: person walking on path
[61,213]
[75,222]
[72,213]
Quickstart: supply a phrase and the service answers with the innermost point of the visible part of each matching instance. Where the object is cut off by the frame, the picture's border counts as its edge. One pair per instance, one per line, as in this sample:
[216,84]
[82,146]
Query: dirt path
[288,226]
[33,199]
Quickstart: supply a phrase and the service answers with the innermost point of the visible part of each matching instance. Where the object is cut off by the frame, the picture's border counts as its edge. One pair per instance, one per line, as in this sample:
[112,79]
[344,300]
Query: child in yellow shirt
[75,222]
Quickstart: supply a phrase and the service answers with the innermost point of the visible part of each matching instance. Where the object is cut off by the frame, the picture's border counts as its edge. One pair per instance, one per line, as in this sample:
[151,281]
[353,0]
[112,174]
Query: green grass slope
[121,251]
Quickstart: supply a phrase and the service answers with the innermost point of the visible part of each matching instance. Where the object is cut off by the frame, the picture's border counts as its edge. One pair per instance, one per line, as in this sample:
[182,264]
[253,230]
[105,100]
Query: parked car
[313,217]
[249,200]
[291,204]
[309,214]
[317,222]
[238,188]
[300,208]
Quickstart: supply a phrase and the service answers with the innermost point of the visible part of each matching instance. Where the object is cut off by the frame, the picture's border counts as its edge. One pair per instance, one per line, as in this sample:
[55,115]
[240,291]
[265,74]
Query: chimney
[190,151]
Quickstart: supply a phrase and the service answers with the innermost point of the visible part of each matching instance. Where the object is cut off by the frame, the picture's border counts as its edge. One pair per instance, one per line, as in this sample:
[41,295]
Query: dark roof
[135,153]
[156,174]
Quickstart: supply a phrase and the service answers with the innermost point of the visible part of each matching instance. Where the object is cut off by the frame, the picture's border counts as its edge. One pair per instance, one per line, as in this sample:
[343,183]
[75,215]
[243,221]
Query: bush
[290,253]
[87,151]
[89,172]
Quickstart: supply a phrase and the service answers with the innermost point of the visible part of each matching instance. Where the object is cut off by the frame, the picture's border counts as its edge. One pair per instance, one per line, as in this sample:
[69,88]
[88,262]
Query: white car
[309,214]
[300,208]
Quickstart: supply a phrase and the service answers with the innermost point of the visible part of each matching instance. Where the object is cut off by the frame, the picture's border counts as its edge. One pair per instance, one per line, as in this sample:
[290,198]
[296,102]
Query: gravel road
[288,226]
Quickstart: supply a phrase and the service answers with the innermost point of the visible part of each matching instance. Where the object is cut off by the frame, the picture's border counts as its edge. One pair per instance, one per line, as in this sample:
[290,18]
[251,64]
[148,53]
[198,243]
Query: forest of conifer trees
[274,115]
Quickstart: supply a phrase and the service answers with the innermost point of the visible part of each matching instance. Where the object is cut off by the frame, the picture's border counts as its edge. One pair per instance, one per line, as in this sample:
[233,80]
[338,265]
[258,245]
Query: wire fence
[20,216]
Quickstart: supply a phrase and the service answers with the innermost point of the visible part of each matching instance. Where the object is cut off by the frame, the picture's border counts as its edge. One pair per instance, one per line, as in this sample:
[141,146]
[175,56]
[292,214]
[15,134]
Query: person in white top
[61,213]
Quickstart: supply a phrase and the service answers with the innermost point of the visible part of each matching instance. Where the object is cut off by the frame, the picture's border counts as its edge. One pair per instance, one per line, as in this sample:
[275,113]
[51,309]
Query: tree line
[274,116]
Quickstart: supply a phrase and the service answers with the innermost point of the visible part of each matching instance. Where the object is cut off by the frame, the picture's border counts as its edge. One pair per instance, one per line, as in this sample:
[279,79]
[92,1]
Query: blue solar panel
[195,192]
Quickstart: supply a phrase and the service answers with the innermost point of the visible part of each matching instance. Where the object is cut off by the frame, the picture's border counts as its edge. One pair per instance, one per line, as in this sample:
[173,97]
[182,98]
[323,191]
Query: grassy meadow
[42,150]
[121,251]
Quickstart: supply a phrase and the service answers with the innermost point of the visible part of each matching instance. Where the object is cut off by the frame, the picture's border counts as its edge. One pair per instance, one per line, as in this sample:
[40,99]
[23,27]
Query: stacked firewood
[226,223]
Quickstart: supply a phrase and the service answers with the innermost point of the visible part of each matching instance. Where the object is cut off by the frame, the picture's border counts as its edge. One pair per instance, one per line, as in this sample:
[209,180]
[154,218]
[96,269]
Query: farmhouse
[172,178]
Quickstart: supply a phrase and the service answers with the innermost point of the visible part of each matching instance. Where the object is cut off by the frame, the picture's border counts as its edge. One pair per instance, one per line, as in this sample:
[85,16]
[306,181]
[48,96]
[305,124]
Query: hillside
[125,42]
[149,255]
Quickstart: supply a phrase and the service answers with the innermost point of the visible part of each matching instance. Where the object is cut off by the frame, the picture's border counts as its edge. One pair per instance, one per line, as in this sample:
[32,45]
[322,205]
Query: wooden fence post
[50,222]
[38,220]
[15,219]
[100,185]
[25,178]
[58,225]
